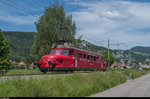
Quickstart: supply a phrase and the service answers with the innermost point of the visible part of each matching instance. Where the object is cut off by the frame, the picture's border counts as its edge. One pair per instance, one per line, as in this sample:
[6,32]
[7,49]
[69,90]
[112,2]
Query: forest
[20,43]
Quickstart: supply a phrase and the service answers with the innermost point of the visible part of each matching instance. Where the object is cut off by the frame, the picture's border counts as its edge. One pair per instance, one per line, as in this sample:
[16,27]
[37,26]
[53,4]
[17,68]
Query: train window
[91,58]
[57,52]
[100,59]
[71,52]
[88,58]
[80,56]
[84,57]
[94,58]
[64,52]
[97,59]
[52,51]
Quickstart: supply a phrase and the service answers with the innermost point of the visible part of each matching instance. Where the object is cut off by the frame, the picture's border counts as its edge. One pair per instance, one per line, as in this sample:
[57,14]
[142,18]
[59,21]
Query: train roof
[71,47]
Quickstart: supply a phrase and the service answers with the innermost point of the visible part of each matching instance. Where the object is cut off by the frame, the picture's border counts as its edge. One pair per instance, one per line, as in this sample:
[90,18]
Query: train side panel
[87,61]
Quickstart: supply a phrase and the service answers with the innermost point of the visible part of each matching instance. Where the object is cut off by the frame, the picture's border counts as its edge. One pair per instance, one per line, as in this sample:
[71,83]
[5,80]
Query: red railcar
[68,58]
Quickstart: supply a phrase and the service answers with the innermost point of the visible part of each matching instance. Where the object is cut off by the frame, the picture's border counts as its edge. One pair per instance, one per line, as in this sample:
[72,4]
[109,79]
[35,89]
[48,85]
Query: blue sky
[121,21]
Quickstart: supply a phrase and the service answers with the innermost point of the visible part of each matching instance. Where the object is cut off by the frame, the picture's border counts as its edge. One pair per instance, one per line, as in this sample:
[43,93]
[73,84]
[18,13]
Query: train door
[98,62]
[104,66]
[76,53]
[95,62]
[80,60]
[92,62]
[84,60]
[88,61]
[100,59]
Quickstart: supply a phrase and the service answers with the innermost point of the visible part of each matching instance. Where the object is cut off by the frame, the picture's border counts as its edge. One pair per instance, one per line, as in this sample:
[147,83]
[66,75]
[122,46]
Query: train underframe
[46,69]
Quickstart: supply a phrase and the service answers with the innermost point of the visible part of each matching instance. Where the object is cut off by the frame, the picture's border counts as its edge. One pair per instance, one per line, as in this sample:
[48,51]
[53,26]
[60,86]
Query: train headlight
[54,60]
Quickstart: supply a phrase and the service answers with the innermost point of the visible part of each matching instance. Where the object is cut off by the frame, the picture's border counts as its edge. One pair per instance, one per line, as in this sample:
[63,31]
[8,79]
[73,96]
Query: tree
[5,53]
[111,58]
[53,25]
[78,42]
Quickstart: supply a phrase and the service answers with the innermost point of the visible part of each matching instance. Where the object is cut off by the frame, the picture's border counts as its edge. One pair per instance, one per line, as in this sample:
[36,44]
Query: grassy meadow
[75,85]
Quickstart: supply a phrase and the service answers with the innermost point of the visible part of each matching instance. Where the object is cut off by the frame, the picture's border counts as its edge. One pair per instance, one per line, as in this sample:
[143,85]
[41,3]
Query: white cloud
[114,15]
[117,19]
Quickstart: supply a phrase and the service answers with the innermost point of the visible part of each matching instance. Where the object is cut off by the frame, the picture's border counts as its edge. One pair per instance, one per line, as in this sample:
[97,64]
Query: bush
[146,68]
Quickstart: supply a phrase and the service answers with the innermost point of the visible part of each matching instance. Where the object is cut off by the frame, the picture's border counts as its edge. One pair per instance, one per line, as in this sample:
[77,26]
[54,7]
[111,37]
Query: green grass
[75,85]
[135,73]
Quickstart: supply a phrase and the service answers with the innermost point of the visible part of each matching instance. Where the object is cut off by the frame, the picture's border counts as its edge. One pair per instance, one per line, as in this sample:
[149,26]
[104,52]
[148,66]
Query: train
[65,57]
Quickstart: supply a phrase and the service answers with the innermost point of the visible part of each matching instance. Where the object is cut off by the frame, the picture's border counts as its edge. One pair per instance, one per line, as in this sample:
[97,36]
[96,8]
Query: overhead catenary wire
[105,45]
[18,8]
[22,8]
[100,44]
[34,6]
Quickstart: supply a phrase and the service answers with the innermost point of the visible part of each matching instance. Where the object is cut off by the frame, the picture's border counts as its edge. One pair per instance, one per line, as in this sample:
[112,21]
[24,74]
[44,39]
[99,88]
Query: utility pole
[109,48]
[108,54]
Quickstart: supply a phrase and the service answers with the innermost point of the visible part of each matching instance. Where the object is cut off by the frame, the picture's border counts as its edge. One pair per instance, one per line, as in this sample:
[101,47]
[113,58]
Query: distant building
[145,66]
[122,65]
[112,66]
[14,63]
[22,64]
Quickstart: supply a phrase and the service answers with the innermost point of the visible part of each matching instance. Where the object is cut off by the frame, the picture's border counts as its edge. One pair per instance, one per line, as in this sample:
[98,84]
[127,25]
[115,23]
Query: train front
[49,62]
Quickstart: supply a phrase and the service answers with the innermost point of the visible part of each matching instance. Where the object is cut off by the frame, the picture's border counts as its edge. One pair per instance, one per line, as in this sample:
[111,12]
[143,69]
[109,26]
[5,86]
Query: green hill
[141,49]
[20,43]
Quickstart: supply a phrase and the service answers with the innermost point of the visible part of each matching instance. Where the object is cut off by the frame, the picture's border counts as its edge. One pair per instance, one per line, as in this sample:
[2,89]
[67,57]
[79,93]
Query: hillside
[20,43]
[88,46]
[141,49]
[130,57]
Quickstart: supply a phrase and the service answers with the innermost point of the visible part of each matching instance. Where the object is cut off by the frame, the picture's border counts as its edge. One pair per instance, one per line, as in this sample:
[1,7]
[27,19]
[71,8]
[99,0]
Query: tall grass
[76,85]
[134,73]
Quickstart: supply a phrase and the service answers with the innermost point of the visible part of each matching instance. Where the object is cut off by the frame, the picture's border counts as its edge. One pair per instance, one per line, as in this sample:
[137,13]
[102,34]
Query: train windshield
[57,52]
[52,51]
[64,52]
